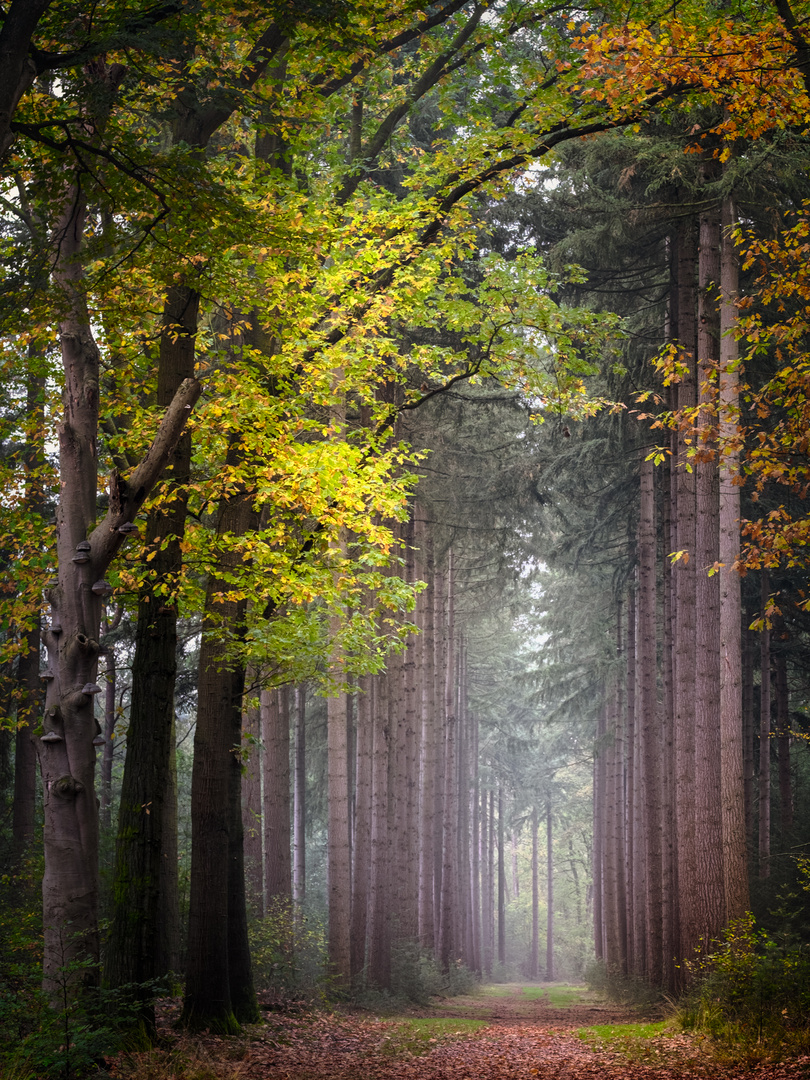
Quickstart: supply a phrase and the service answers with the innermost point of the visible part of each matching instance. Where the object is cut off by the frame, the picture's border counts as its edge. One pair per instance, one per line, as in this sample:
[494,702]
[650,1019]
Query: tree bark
[219,988]
[252,820]
[300,801]
[362,844]
[550,894]
[735,748]
[534,955]
[650,730]
[274,705]
[765,733]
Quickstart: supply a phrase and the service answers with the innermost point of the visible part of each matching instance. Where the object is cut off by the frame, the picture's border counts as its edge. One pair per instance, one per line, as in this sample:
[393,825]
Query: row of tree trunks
[670,790]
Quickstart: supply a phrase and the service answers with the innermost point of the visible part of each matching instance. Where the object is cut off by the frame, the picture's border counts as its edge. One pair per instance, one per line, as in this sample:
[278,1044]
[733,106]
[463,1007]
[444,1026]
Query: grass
[639,1043]
[419,1036]
[558,997]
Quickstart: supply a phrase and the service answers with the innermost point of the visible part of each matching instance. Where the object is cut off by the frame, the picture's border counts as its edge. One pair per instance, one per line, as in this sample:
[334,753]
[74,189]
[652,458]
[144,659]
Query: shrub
[752,993]
[289,953]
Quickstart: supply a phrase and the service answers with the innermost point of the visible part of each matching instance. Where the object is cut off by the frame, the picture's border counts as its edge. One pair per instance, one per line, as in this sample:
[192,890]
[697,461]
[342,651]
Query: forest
[405,458]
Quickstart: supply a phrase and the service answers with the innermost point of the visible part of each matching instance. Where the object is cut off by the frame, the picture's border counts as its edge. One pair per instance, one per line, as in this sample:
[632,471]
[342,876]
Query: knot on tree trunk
[67,787]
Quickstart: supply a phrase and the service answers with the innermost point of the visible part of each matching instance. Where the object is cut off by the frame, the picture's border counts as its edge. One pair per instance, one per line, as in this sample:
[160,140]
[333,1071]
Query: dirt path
[504,1033]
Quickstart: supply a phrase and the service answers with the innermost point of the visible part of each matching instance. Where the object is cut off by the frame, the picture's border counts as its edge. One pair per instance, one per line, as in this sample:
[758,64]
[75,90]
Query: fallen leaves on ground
[339,1046]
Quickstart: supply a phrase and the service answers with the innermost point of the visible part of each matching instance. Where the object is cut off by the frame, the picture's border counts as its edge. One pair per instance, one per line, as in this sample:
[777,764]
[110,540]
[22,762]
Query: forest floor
[503,1032]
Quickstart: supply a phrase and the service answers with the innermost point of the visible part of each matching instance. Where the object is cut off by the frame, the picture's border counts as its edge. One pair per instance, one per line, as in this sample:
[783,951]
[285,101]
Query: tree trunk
[783,748]
[710,892]
[300,801]
[501,885]
[362,844]
[765,734]
[550,895]
[379,955]
[252,825]
[276,739]
[735,747]
[449,893]
[649,723]
[66,749]
[534,955]
[684,578]
[426,818]
[137,909]
[219,989]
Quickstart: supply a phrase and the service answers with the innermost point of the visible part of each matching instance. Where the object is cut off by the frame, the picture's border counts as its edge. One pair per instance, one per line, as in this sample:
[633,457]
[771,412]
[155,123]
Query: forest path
[503,1033]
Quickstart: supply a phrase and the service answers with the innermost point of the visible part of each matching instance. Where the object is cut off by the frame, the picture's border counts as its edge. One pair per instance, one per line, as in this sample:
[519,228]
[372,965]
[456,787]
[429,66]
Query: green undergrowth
[419,1036]
[632,1041]
[751,995]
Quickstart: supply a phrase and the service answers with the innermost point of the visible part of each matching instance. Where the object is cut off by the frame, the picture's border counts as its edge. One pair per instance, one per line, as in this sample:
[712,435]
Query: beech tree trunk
[219,987]
[379,951]
[66,748]
[449,891]
[138,913]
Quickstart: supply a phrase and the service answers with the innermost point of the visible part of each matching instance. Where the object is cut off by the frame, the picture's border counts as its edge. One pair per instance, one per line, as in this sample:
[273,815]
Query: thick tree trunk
[669,852]
[631,794]
[219,990]
[66,748]
[138,912]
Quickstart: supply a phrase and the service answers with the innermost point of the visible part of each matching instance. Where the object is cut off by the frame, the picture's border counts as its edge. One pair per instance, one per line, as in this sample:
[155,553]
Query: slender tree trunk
[685,593]
[428,786]
[486,898]
[598,839]
[339,854]
[379,958]
[650,733]
[252,821]
[362,845]
[783,747]
[108,749]
[550,892]
[735,747]
[449,886]
[534,956]
[501,884]
[630,780]
[669,851]
[710,893]
[275,723]
[765,734]
[300,801]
